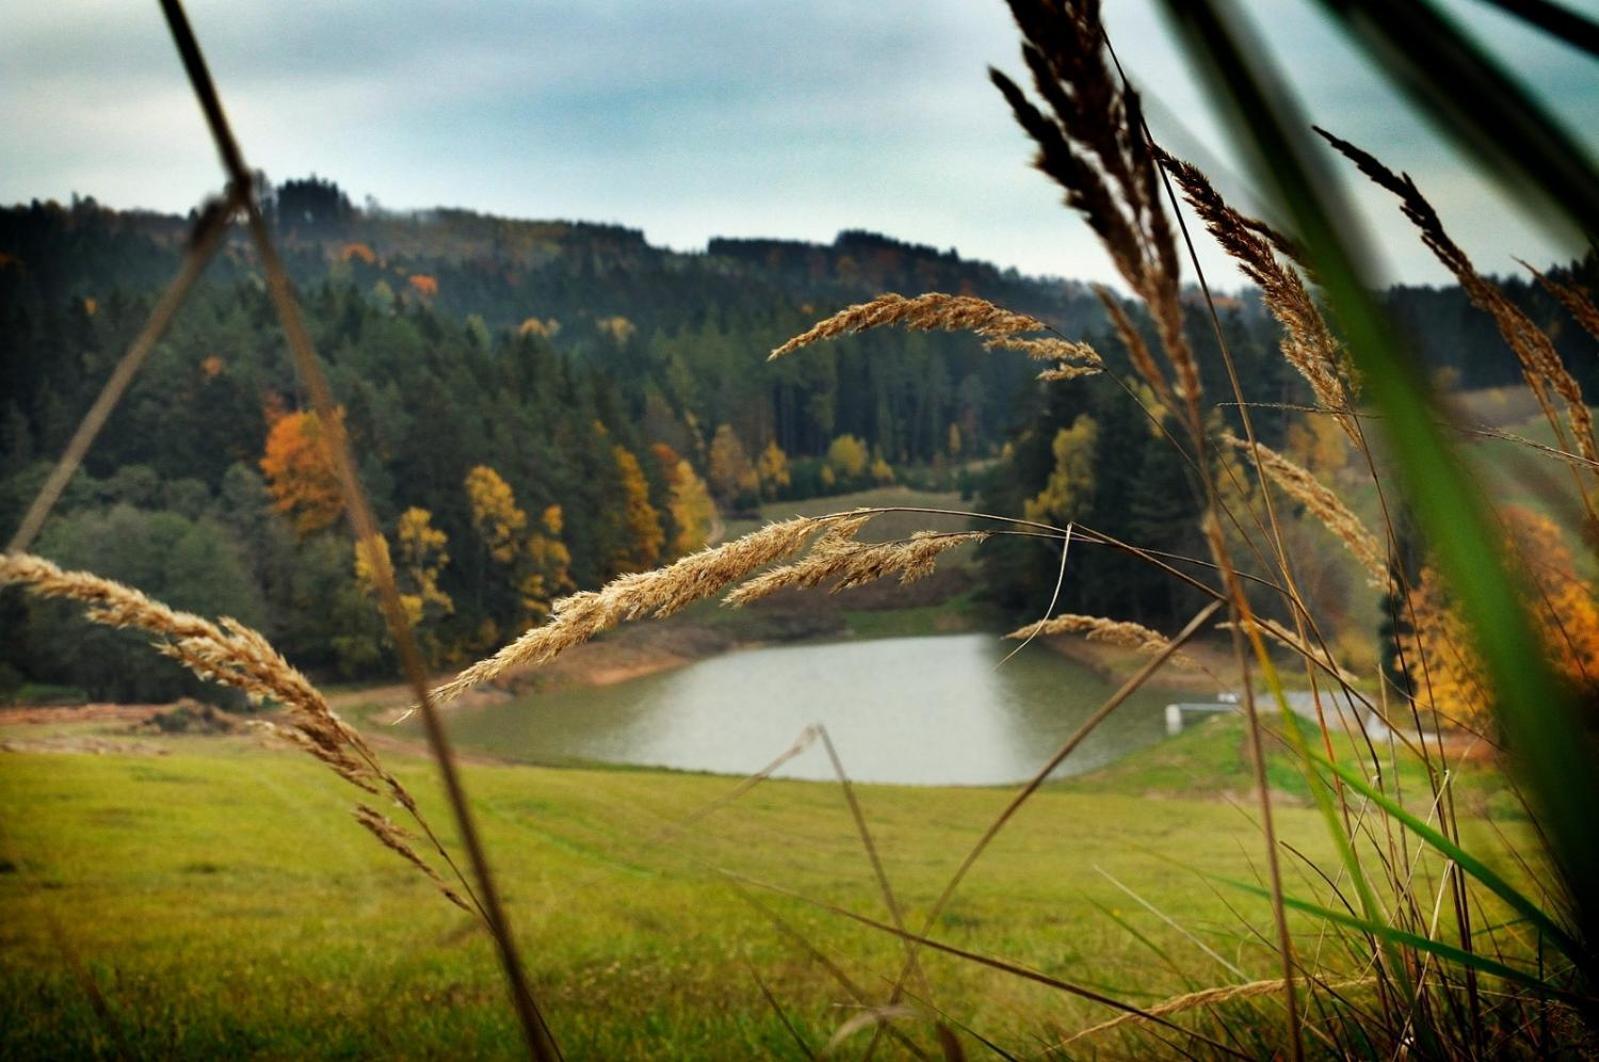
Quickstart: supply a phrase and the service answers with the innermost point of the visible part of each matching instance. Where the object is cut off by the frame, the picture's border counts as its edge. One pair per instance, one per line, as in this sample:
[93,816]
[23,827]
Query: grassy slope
[223,901]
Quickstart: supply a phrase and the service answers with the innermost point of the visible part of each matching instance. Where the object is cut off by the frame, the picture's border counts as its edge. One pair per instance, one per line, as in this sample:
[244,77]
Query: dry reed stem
[932,312]
[1307,344]
[1323,504]
[1540,363]
[1205,997]
[230,654]
[661,592]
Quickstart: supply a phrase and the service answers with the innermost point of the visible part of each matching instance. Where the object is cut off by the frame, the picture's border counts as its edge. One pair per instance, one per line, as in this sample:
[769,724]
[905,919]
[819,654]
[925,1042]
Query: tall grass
[1410,942]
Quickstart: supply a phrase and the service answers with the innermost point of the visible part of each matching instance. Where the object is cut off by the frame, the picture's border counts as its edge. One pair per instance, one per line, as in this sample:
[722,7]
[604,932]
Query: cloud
[729,117]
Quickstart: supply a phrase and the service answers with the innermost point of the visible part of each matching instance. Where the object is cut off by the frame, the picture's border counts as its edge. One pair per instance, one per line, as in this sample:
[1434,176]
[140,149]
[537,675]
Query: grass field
[219,900]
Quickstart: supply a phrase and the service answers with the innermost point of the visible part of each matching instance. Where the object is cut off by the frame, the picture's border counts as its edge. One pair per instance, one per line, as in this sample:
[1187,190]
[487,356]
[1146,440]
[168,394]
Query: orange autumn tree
[299,471]
[1444,668]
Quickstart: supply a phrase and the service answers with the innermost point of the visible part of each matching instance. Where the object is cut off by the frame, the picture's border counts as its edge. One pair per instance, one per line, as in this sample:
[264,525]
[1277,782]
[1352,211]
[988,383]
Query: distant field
[222,902]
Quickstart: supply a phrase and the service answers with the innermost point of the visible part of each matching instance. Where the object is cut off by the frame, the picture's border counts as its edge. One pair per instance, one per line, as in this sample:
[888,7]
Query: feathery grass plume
[846,564]
[932,312]
[1121,633]
[1307,342]
[1049,349]
[1093,146]
[1063,371]
[661,592]
[1540,363]
[1137,350]
[391,836]
[230,654]
[1072,359]
[1577,302]
[1323,504]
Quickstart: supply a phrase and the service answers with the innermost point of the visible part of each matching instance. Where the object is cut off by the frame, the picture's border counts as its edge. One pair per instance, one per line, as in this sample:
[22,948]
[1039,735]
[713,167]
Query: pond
[918,711]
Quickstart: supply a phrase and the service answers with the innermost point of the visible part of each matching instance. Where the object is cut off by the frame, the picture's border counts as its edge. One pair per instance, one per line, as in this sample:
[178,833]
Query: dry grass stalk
[1540,363]
[1121,633]
[576,619]
[1138,351]
[1323,504]
[230,654]
[1092,144]
[1048,349]
[1205,997]
[399,841]
[1290,641]
[1063,371]
[1307,343]
[845,563]
[932,312]
[1577,302]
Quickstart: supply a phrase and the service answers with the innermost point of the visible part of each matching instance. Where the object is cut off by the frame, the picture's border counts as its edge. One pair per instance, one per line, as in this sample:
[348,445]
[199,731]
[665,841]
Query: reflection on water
[922,711]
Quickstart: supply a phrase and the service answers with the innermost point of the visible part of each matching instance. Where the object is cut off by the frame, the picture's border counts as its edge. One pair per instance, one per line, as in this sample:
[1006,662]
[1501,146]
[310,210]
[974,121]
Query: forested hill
[539,405]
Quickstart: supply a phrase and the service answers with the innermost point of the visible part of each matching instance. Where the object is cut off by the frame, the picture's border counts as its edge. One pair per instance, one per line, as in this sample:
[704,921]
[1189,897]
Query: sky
[699,118]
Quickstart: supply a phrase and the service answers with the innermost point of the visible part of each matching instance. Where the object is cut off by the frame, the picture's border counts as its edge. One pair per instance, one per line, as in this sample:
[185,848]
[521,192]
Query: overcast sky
[688,119]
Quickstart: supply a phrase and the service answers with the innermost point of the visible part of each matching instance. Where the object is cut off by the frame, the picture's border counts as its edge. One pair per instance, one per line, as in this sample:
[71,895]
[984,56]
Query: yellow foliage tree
[847,457]
[730,471]
[1071,485]
[692,509]
[954,439]
[299,472]
[1318,443]
[618,328]
[495,515]
[642,523]
[882,471]
[548,564]
[772,468]
[422,557]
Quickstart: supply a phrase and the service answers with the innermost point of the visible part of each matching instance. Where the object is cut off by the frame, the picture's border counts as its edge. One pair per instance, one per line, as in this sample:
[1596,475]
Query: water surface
[922,711]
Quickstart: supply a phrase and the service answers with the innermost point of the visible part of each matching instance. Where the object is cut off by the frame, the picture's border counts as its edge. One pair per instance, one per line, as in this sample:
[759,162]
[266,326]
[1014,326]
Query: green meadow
[211,896]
